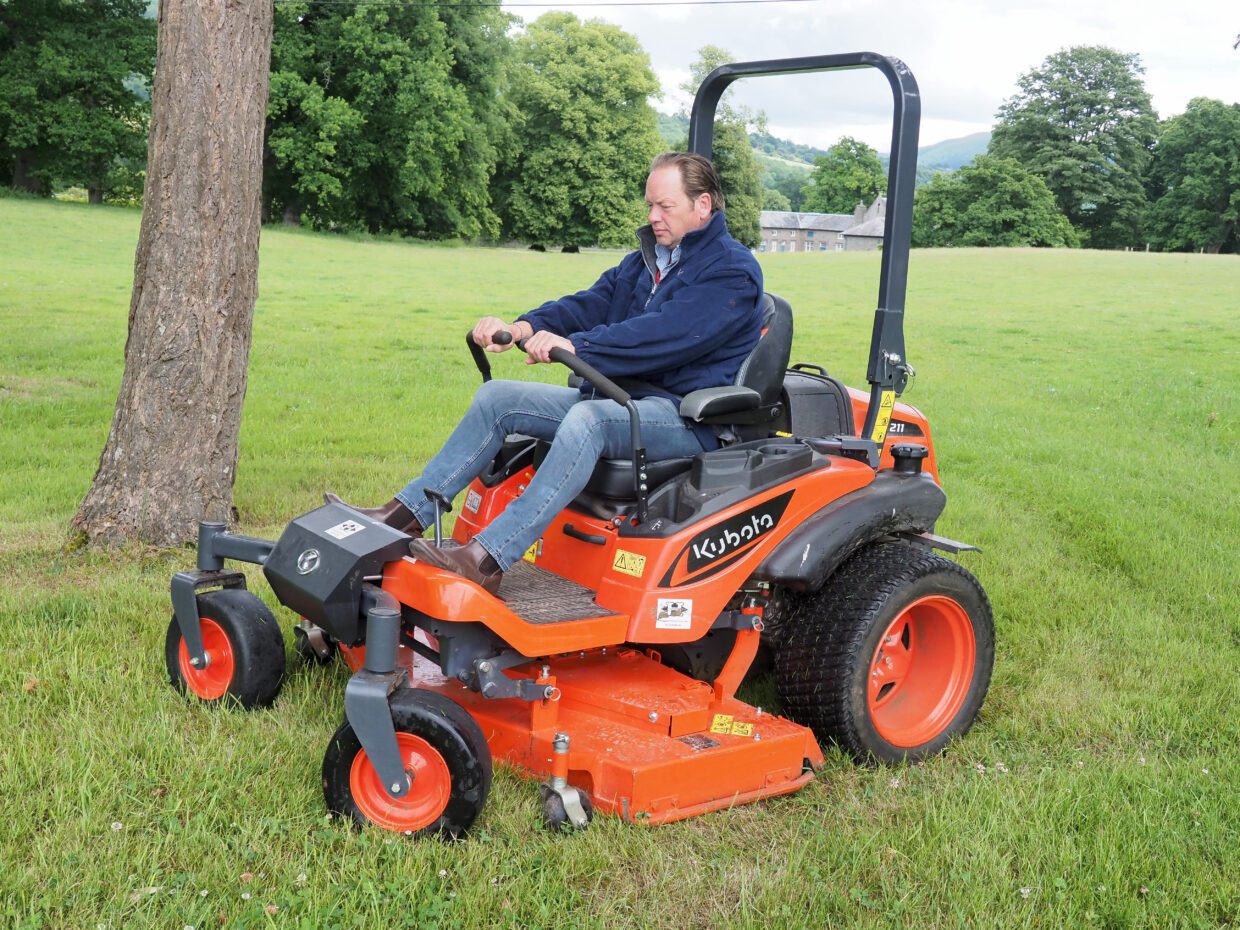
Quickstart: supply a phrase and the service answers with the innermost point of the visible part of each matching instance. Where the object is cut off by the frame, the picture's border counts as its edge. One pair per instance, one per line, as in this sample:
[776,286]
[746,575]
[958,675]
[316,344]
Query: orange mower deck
[648,744]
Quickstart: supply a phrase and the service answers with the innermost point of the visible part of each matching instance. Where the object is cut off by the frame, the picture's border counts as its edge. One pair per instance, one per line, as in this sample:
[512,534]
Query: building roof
[871,228]
[827,222]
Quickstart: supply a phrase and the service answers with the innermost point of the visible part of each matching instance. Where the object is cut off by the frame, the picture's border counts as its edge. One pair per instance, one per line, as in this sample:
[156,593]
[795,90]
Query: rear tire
[245,651]
[443,749]
[892,659]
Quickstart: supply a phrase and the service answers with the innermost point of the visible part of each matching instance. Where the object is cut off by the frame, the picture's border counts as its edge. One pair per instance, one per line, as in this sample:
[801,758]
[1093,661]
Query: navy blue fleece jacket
[691,331]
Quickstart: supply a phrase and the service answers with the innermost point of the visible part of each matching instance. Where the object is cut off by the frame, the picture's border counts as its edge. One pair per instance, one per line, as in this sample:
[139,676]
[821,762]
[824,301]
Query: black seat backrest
[763,369]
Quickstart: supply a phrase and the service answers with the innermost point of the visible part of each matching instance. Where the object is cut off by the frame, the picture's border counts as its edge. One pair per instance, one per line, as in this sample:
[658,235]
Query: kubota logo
[714,546]
[308,561]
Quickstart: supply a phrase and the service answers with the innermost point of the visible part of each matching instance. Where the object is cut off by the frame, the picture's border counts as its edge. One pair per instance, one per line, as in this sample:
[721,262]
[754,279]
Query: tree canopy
[386,117]
[74,92]
[1194,180]
[574,172]
[850,173]
[1084,123]
[993,202]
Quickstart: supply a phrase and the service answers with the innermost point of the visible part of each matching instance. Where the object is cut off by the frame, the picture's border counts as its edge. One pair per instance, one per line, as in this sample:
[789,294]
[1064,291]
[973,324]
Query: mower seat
[749,408]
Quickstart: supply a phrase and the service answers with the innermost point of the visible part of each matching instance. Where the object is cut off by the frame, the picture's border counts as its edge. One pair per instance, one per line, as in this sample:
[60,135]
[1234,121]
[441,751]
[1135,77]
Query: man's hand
[538,347]
[486,328]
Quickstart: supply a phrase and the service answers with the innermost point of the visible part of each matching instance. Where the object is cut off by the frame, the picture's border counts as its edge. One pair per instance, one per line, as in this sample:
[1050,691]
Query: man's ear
[703,205]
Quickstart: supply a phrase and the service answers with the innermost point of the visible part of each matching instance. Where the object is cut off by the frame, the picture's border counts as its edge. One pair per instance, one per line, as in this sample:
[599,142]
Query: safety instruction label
[473,500]
[629,563]
[885,406]
[533,552]
[728,725]
[344,530]
[673,613]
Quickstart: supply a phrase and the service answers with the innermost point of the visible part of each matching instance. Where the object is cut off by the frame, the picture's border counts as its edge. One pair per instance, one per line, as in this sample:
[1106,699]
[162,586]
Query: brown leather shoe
[470,561]
[393,513]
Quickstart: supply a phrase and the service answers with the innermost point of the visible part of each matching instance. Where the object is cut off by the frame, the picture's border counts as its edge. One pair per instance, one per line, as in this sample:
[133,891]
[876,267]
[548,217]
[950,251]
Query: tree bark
[171,456]
[94,195]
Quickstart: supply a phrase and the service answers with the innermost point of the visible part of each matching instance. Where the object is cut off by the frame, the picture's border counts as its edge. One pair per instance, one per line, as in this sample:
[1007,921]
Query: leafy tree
[733,155]
[773,199]
[386,117]
[74,92]
[581,149]
[1194,180]
[1084,123]
[849,173]
[993,202]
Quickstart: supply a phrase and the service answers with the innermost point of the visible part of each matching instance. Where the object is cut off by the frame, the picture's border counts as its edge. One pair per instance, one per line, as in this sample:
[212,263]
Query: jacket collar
[690,245]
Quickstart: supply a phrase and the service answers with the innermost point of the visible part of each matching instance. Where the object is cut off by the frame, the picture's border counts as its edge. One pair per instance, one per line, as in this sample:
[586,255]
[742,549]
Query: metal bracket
[185,588]
[366,700]
[939,542]
[367,709]
[493,683]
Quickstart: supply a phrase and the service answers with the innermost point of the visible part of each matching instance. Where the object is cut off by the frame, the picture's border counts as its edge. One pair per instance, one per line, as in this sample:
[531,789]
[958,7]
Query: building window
[809,234]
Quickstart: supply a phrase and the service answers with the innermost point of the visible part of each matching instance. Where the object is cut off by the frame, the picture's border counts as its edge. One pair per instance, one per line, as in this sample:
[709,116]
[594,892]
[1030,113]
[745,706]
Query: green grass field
[1086,409]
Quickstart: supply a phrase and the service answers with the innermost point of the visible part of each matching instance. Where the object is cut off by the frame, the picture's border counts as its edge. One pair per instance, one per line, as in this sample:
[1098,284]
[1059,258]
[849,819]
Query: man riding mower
[607,662]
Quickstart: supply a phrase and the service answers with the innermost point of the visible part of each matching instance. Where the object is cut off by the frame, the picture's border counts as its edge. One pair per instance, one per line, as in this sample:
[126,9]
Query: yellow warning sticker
[721,724]
[885,406]
[532,552]
[742,729]
[629,563]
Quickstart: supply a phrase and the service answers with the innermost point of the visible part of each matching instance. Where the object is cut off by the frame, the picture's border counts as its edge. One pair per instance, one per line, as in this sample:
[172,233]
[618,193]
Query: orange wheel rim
[921,671]
[212,682]
[427,798]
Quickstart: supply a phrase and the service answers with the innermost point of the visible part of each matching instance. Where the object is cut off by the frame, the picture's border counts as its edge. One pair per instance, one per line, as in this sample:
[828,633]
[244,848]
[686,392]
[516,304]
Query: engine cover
[320,562]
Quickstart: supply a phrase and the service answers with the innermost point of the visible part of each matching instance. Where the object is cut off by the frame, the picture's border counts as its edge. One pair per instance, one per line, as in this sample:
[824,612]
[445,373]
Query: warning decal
[473,500]
[885,406]
[727,725]
[629,563]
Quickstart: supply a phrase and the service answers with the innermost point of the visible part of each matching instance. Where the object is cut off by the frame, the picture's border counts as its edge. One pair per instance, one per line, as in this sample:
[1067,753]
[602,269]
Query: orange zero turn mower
[609,666]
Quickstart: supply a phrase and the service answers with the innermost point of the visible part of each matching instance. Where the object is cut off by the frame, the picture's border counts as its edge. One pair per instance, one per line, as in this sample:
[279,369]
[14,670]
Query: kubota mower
[609,663]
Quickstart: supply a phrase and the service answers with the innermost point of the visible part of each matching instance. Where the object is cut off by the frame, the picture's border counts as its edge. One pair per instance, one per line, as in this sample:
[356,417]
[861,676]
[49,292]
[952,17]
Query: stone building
[859,231]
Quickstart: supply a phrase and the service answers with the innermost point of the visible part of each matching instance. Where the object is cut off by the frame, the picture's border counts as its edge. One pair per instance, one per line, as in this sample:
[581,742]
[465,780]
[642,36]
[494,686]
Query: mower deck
[647,744]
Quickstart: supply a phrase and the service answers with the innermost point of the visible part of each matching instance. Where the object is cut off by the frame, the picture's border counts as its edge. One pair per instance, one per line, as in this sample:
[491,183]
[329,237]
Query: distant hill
[782,161]
[951,154]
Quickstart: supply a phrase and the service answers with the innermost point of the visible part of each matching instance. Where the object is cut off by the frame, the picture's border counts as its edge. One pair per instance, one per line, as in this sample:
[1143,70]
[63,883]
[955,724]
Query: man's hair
[697,176]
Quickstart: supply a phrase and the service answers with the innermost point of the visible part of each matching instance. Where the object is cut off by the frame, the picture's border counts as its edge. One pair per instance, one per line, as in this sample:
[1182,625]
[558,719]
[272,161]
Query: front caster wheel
[245,651]
[891,660]
[445,756]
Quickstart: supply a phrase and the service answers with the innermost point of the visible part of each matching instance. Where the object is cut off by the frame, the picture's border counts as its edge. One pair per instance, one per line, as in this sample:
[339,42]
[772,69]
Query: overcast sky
[965,54]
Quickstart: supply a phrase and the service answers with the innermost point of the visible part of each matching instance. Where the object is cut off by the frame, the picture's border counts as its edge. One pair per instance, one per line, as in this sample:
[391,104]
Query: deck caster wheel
[445,756]
[892,659]
[314,645]
[556,805]
[245,651]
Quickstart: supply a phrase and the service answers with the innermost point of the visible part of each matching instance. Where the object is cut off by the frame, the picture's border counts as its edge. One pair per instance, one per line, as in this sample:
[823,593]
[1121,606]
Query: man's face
[672,213]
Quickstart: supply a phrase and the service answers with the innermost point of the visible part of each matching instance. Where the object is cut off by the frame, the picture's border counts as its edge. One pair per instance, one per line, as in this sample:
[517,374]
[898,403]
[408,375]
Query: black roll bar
[888,370]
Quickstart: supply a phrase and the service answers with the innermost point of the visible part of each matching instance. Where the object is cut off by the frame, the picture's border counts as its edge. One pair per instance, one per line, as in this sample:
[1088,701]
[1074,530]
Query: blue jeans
[580,431]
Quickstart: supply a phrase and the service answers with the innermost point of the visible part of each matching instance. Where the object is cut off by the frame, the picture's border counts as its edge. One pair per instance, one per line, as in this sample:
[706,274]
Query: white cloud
[966,54]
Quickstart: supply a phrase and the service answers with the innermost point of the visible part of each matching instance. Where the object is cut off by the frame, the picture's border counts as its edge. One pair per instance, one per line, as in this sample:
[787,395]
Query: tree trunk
[94,195]
[292,215]
[171,456]
[24,178]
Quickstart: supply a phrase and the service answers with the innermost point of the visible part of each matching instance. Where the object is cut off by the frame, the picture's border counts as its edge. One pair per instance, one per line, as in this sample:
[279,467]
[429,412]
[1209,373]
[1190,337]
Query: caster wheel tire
[245,651]
[555,818]
[891,660]
[445,754]
[307,653]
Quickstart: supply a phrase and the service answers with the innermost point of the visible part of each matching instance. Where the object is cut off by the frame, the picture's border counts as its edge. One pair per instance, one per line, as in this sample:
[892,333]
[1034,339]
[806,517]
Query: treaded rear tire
[827,667]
